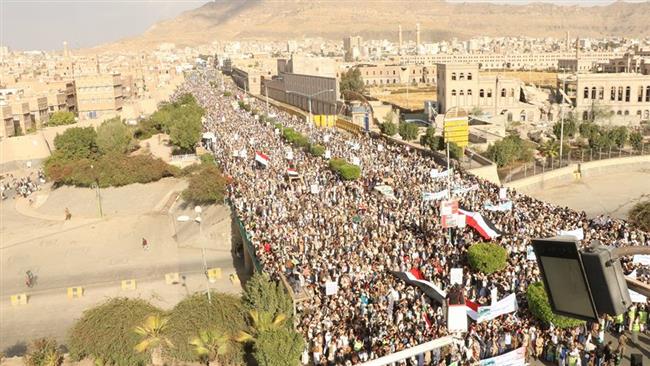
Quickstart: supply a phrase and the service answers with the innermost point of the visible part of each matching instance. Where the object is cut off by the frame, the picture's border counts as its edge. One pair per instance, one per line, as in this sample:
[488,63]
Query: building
[352,46]
[99,96]
[626,95]
[576,65]
[7,124]
[463,86]
[379,74]
[22,117]
[38,107]
[247,79]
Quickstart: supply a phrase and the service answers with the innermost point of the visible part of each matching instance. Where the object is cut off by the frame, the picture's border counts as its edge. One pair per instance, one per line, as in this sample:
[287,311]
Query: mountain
[335,19]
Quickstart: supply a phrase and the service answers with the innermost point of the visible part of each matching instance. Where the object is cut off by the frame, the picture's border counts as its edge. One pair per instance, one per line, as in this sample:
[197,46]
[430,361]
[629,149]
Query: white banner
[512,358]
[428,196]
[328,154]
[331,288]
[457,318]
[503,193]
[530,253]
[504,306]
[355,161]
[435,174]
[505,206]
[456,276]
[576,233]
[461,190]
[386,190]
[314,189]
[641,259]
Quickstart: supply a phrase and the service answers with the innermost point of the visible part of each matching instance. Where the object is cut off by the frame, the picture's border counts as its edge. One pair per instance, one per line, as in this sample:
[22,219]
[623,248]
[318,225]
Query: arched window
[639,97]
[503,93]
[627,113]
[593,92]
[647,93]
[461,92]
[461,76]
[628,91]
[620,93]
[586,93]
[453,76]
[585,116]
[601,93]
[639,113]
[469,92]
[512,92]
[469,76]
[613,96]
[618,113]
[509,117]
[453,92]
[481,93]
[646,114]
[489,93]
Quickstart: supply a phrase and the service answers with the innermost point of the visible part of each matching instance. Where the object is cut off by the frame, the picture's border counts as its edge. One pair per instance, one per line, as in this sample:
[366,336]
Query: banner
[576,233]
[512,358]
[484,313]
[461,190]
[387,191]
[414,277]
[641,259]
[456,276]
[503,193]
[502,207]
[456,318]
[331,288]
[435,174]
[428,196]
[530,253]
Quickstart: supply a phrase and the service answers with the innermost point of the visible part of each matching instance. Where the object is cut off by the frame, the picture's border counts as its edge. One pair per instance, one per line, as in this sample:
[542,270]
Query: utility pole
[266,93]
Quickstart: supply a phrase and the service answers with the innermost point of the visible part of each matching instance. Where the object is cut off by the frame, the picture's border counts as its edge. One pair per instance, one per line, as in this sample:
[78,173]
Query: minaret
[417,34]
[577,48]
[65,49]
[399,27]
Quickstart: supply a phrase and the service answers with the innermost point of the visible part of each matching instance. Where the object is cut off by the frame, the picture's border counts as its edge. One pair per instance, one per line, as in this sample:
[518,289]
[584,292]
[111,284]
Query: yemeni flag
[472,309]
[414,277]
[262,158]
[484,226]
[292,173]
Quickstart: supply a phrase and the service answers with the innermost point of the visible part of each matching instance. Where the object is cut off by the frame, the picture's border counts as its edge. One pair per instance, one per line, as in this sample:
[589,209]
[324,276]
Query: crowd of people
[21,186]
[319,229]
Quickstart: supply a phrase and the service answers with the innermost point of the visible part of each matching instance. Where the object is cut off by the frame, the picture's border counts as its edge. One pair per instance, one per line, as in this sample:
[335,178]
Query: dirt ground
[398,96]
[539,78]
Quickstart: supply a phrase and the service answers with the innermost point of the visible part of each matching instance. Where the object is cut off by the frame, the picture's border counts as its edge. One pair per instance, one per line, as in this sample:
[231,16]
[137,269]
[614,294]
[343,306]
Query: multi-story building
[39,110]
[626,95]
[462,86]
[247,79]
[7,122]
[99,96]
[22,116]
[352,46]
[377,74]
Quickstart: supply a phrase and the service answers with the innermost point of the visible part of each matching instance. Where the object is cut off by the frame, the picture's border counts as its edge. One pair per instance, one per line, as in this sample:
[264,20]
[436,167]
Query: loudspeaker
[636,359]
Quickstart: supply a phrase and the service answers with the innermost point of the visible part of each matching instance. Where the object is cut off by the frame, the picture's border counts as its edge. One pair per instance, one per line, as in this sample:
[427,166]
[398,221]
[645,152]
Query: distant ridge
[334,19]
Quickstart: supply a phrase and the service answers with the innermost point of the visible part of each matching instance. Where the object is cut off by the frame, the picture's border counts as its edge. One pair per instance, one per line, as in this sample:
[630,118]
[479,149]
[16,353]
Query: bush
[263,294]
[408,131]
[109,170]
[206,187]
[208,159]
[350,172]
[570,128]
[44,352]
[540,308]
[106,334]
[455,151]
[76,143]
[509,150]
[487,258]
[429,139]
[640,215]
[227,94]
[61,118]
[636,140]
[113,136]
[388,128]
[195,314]
[317,150]
[337,163]
[281,346]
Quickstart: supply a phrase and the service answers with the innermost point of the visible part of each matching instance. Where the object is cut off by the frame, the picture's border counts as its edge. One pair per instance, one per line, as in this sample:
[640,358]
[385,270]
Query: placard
[314,189]
[328,154]
[456,276]
[331,288]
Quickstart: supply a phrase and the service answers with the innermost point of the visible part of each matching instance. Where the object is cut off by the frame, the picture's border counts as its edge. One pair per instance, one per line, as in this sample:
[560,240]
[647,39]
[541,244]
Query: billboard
[456,130]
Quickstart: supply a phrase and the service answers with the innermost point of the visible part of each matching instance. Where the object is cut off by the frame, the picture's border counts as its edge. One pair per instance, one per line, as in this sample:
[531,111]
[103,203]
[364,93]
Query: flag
[472,309]
[261,158]
[291,172]
[414,277]
[484,226]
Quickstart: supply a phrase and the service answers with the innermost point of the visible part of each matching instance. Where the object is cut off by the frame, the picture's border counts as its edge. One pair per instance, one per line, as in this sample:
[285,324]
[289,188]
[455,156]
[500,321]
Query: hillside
[334,19]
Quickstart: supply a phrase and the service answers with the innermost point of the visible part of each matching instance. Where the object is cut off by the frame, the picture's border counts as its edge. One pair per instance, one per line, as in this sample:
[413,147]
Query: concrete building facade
[379,74]
[99,96]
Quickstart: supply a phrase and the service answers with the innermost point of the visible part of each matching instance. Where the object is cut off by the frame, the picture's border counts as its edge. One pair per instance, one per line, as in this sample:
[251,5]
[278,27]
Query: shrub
[208,159]
[487,257]
[428,139]
[61,118]
[44,352]
[263,294]
[195,314]
[106,334]
[281,346]
[640,215]
[388,128]
[636,140]
[227,94]
[76,143]
[455,151]
[109,170]
[509,150]
[337,163]
[113,136]
[540,308]
[317,150]
[408,131]
[206,187]
[570,128]
[350,172]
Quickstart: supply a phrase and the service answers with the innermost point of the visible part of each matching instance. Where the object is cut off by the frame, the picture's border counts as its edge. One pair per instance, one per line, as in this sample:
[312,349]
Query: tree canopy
[76,143]
[540,308]
[206,187]
[351,80]
[640,215]
[487,257]
[510,149]
[113,136]
[61,118]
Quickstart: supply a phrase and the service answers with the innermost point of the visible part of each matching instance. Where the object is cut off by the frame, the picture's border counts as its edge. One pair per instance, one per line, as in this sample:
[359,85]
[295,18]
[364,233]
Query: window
[481,93]
[627,113]
[618,113]
[638,113]
[461,92]
[639,95]
[627,93]
[512,92]
[585,116]
[469,76]
[469,92]
[453,92]
[620,93]
[393,72]
[593,92]
[646,115]
[601,93]
[489,93]
[647,93]
[461,76]
[586,93]
[503,92]
[453,76]
[613,96]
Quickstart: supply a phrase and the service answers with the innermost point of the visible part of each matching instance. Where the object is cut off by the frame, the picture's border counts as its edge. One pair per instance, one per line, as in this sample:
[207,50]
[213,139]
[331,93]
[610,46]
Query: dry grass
[397,95]
[539,78]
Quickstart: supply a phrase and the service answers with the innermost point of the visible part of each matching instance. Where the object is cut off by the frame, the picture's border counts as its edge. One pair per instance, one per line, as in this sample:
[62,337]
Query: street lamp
[309,96]
[562,112]
[197,219]
[98,193]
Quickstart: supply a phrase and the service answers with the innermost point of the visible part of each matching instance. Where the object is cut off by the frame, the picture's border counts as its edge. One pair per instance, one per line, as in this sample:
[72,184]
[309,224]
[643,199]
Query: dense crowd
[319,229]
[21,186]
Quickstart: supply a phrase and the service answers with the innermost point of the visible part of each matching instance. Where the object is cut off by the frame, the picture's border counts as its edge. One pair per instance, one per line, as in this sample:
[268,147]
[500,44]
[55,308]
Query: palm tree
[210,344]
[152,337]
[550,149]
[260,322]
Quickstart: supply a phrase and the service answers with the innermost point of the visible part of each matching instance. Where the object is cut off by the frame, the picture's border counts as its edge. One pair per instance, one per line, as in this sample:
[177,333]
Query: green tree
[152,338]
[105,332]
[510,149]
[211,345]
[388,128]
[540,308]
[351,80]
[185,131]
[487,258]
[428,139]
[113,136]
[408,131]
[550,149]
[61,118]
[263,294]
[76,143]
[636,140]
[317,150]
[275,343]
[206,187]
[570,128]
[208,159]
[455,151]
[44,352]
[619,136]
[640,215]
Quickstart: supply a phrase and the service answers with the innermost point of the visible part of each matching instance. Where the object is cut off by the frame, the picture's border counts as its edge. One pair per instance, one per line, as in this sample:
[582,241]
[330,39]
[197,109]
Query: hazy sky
[45,24]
